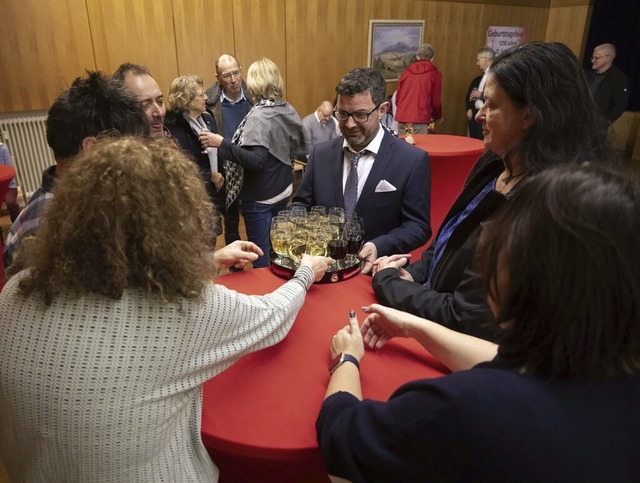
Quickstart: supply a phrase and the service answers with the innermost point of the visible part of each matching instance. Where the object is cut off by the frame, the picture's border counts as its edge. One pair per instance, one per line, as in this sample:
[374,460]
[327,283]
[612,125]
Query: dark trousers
[231,223]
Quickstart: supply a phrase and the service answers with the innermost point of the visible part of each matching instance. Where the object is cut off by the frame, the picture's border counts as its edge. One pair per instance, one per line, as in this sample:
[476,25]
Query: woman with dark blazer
[538,113]
[186,118]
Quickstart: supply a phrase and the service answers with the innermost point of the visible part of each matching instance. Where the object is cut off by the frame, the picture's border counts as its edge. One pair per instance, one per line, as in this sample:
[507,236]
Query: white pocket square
[384,186]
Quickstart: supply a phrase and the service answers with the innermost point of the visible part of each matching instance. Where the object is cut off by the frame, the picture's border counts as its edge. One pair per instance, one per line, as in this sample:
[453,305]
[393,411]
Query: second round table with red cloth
[258,418]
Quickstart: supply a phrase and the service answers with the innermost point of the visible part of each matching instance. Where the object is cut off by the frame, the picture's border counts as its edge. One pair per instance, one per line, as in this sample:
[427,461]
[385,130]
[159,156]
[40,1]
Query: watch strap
[341,359]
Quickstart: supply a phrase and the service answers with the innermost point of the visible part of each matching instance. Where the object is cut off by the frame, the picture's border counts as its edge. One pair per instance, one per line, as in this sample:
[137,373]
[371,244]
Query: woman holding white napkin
[186,118]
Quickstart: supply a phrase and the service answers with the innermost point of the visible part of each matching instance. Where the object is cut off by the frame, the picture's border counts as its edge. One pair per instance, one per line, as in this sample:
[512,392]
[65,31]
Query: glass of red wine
[353,233]
[337,249]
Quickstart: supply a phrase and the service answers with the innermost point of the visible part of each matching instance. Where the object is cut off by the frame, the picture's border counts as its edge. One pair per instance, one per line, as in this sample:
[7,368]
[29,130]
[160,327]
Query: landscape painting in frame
[393,44]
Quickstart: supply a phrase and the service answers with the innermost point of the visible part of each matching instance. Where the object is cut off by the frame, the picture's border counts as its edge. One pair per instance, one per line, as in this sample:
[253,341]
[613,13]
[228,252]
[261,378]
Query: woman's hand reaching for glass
[236,254]
[318,264]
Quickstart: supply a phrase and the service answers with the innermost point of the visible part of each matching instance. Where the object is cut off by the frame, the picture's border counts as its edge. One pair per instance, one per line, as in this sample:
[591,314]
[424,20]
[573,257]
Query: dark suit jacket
[475,128]
[612,95]
[396,221]
[457,298]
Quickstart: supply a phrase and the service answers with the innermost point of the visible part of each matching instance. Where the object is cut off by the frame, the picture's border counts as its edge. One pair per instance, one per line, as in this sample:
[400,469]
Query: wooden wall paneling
[139,31]
[43,47]
[456,32]
[569,25]
[204,31]
[534,19]
[325,39]
[259,30]
[570,3]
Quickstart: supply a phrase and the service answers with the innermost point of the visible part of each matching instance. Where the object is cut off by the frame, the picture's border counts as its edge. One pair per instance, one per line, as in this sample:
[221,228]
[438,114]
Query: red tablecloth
[448,146]
[258,418]
[6,175]
[451,158]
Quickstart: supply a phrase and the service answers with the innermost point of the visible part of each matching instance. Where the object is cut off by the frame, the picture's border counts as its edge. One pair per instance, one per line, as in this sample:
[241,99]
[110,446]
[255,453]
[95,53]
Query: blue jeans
[257,220]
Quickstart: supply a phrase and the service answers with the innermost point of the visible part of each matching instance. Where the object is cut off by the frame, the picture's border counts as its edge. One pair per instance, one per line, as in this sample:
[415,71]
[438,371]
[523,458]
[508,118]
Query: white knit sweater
[93,389]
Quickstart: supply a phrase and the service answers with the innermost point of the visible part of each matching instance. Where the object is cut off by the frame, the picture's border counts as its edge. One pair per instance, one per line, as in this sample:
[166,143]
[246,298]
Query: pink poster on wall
[503,38]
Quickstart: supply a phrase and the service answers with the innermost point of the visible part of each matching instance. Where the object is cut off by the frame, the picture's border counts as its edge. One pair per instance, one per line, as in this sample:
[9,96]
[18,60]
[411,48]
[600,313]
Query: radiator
[25,135]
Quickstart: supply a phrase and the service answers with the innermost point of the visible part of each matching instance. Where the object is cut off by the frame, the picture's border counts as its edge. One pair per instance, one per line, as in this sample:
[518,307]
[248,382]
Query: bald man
[609,86]
[321,125]
[229,101]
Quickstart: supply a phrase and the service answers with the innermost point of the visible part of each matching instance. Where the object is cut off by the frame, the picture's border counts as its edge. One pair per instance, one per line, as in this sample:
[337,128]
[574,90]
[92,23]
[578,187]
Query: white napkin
[384,186]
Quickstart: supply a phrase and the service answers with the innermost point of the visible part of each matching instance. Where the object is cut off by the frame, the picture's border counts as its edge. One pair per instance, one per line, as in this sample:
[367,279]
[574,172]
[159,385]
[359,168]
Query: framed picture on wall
[393,44]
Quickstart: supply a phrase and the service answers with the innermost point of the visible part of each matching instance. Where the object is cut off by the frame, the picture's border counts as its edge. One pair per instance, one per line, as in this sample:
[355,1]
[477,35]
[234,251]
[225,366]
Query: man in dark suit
[369,171]
[609,86]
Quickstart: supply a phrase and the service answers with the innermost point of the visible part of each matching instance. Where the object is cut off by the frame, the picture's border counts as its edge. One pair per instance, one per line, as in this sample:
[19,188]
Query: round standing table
[258,418]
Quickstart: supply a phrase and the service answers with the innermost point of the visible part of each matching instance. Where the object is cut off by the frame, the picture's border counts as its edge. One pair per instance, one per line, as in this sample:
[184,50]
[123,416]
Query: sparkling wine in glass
[279,234]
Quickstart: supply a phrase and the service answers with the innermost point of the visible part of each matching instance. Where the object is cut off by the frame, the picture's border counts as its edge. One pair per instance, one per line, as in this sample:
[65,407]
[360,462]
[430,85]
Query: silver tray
[338,272]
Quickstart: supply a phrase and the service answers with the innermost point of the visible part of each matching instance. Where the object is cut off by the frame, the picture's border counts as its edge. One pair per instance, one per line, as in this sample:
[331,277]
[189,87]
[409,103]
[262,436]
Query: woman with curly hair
[107,339]
[260,173]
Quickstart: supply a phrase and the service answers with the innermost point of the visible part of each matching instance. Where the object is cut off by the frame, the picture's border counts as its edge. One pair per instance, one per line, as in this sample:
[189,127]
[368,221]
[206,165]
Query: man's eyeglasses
[360,117]
[598,58]
[229,75]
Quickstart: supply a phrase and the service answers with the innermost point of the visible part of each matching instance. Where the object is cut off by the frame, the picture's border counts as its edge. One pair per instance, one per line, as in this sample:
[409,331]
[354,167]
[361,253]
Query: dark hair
[561,261]
[128,67]
[92,106]
[567,127]
[361,80]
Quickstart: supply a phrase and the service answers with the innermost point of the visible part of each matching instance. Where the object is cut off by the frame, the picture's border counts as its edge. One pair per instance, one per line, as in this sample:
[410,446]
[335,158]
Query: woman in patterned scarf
[259,172]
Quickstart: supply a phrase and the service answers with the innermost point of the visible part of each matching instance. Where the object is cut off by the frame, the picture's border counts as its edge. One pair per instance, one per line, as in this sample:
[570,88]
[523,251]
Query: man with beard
[369,171]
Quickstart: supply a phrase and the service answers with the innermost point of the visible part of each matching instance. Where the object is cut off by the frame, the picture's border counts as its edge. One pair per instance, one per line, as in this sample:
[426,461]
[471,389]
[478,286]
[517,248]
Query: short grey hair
[426,51]
[487,52]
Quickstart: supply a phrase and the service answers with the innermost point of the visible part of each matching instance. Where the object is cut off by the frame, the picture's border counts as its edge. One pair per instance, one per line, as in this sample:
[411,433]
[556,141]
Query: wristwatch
[341,359]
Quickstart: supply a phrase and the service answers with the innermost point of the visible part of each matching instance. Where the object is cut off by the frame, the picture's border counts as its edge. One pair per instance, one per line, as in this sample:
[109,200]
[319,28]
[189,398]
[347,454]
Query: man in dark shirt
[608,85]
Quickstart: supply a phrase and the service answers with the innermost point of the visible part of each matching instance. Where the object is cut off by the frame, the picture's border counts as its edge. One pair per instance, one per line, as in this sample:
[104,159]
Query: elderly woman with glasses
[261,152]
[186,118]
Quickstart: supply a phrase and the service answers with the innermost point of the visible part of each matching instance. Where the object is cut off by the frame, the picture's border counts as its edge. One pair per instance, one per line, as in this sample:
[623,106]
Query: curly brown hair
[130,213]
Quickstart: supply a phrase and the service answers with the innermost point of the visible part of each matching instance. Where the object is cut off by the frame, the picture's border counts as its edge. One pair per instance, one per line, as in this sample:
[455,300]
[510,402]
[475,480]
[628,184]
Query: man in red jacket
[418,99]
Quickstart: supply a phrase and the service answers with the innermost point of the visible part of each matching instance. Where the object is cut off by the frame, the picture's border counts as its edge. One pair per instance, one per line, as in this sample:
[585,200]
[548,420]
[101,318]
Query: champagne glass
[336,217]
[298,215]
[408,129]
[203,129]
[316,244]
[279,234]
[319,210]
[297,246]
